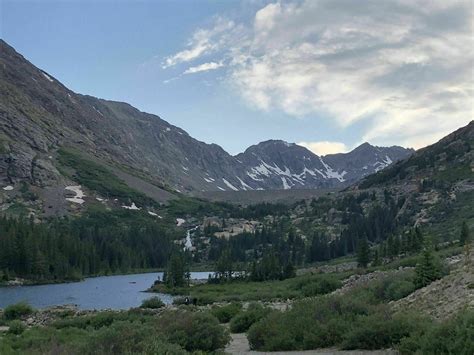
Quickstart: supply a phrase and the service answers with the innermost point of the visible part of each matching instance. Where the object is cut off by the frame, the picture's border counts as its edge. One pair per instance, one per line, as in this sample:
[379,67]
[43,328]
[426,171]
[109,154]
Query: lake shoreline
[18,282]
[102,292]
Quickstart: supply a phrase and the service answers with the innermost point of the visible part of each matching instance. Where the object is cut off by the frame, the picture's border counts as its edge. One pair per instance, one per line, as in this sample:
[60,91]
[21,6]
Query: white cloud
[204,67]
[203,41]
[325,147]
[405,65]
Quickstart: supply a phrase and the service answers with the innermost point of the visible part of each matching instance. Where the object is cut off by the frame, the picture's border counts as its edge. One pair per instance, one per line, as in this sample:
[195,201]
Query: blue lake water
[115,292]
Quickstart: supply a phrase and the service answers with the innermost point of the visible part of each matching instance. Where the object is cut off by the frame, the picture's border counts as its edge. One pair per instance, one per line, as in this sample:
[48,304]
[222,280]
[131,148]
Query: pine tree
[363,253]
[224,266]
[419,240]
[464,238]
[176,272]
[376,261]
[429,267]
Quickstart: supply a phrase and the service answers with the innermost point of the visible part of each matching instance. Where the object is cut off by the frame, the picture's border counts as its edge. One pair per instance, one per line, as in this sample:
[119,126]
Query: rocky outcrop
[358,280]
[445,297]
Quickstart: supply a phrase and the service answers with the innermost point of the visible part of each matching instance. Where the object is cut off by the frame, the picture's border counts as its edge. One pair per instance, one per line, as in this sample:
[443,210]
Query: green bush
[205,300]
[16,327]
[137,332]
[309,324]
[225,313]
[382,330]
[390,288]
[194,331]
[17,310]
[154,303]
[455,336]
[320,286]
[244,320]
[159,346]
[95,321]
[399,289]
[124,337]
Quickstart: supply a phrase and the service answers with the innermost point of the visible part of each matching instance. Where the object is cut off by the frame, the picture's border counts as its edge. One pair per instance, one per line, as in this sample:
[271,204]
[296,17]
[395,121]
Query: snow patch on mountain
[331,174]
[47,76]
[379,165]
[132,207]
[79,198]
[253,176]
[285,183]
[232,187]
[100,113]
[244,185]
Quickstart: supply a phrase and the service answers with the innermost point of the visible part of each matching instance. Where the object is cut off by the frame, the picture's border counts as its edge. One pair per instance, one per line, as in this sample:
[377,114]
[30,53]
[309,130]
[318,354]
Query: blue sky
[331,74]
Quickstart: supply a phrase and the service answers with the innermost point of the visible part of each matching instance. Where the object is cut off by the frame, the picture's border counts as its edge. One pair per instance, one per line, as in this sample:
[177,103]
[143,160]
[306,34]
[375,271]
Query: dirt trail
[240,345]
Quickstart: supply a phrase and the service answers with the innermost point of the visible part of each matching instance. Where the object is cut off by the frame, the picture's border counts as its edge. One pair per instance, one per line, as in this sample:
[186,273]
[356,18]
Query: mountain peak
[44,116]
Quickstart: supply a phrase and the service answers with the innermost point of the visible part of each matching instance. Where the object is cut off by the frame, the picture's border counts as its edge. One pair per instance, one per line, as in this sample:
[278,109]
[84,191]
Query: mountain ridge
[39,116]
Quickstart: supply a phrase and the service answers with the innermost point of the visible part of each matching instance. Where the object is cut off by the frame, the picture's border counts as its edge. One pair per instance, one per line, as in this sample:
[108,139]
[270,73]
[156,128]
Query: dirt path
[240,345]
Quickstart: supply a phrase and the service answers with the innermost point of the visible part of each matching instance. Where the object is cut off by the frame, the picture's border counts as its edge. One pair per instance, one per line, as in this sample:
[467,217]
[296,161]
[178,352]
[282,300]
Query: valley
[276,247]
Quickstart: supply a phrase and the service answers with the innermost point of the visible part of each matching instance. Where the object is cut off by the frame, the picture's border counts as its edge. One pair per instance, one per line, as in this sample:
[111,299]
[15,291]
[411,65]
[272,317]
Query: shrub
[242,322]
[121,337]
[225,313]
[205,300]
[16,327]
[454,336]
[309,324]
[193,331]
[271,334]
[399,289]
[159,346]
[101,320]
[17,310]
[390,288]
[154,303]
[95,321]
[320,286]
[381,330]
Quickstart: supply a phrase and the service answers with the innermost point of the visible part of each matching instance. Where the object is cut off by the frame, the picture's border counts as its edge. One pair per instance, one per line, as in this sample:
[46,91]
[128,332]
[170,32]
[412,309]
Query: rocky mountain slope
[281,165]
[445,297]
[449,160]
[39,116]
[436,183]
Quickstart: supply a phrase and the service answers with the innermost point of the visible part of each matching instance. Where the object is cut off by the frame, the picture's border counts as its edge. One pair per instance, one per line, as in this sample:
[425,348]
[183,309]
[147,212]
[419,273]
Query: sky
[328,75]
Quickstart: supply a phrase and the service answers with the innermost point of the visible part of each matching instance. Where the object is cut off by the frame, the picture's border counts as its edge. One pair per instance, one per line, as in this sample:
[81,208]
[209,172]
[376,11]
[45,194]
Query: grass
[301,286]
[98,178]
[196,207]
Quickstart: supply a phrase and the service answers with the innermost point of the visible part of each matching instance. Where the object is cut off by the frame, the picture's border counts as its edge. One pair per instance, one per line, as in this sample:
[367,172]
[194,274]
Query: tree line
[97,243]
